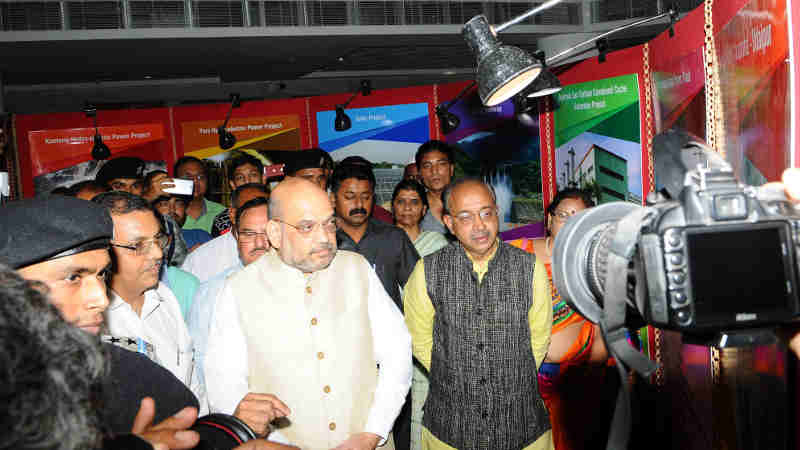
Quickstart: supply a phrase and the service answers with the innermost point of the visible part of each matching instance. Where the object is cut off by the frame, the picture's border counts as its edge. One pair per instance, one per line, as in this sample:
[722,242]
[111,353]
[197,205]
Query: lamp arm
[560,55]
[532,12]
[448,105]
[345,104]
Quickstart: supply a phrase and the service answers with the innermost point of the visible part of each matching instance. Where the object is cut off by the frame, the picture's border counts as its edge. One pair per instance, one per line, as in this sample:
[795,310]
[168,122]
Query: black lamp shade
[226,138]
[503,70]
[342,121]
[100,149]
[545,84]
[448,121]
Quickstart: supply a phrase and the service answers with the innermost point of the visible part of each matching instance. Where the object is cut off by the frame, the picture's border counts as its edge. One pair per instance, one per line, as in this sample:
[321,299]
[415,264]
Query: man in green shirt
[200,212]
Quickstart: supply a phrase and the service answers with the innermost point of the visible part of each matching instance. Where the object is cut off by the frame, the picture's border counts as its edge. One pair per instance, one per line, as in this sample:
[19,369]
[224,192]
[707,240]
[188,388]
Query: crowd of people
[308,312]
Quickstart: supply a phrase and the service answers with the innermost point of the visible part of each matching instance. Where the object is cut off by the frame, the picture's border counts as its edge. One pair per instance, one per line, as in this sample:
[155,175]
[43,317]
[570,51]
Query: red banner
[53,150]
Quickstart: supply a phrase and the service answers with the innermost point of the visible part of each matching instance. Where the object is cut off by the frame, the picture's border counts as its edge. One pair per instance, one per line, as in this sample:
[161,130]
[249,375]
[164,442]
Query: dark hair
[148,179]
[187,159]
[328,164]
[447,193]
[434,146]
[120,202]
[258,201]
[356,161]
[61,190]
[577,194]
[238,191]
[76,188]
[242,160]
[51,372]
[346,171]
[411,185]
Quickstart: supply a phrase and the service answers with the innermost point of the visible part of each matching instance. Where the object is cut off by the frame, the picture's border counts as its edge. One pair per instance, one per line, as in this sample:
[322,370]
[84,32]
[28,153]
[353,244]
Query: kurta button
[308,289]
[327,389]
[320,355]
[332,426]
[314,321]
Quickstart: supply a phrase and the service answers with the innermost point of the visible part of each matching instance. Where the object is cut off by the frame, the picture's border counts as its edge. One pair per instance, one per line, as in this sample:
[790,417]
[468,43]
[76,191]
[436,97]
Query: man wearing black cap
[63,243]
[309,164]
[125,173]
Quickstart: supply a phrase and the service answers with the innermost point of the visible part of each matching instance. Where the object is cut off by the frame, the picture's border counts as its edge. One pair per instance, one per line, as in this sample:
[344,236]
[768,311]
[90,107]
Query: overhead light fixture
[226,139]
[342,121]
[525,109]
[546,83]
[602,49]
[449,122]
[99,150]
[503,70]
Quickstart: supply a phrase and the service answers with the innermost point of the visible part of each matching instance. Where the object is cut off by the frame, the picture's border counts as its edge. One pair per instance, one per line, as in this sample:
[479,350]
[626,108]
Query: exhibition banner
[597,138]
[52,150]
[201,138]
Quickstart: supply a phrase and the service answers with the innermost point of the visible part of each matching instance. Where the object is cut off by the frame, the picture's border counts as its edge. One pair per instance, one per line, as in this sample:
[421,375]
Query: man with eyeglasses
[220,253]
[297,335]
[252,242]
[143,308]
[479,313]
[200,212]
[435,163]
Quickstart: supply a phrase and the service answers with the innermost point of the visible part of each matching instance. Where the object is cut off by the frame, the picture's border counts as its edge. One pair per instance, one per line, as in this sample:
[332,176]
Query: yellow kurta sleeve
[419,314]
[540,316]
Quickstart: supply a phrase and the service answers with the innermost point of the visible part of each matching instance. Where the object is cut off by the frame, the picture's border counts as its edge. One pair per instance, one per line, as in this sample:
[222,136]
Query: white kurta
[161,324]
[212,258]
[227,370]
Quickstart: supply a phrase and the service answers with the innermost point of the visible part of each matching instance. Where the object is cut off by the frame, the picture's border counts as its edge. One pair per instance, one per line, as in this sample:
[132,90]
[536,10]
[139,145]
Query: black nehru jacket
[133,376]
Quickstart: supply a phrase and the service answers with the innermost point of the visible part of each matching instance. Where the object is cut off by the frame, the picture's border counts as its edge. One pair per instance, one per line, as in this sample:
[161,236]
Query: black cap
[122,167]
[358,161]
[39,229]
[313,158]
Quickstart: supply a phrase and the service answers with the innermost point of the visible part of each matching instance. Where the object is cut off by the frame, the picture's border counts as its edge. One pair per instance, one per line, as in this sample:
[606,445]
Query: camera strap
[612,325]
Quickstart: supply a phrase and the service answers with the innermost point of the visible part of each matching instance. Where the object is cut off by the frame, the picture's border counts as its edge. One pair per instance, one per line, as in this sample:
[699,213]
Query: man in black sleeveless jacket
[479,313]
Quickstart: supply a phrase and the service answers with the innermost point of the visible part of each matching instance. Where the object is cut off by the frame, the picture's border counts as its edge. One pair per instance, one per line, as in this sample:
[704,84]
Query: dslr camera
[707,254]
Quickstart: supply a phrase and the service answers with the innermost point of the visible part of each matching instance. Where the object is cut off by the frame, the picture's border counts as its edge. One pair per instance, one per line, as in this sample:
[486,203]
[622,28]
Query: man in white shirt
[250,232]
[221,253]
[142,307]
[309,324]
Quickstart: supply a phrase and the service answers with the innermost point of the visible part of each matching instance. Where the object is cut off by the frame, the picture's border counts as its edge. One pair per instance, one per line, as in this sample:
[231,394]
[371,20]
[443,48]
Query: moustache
[356,211]
[480,235]
[322,247]
[258,250]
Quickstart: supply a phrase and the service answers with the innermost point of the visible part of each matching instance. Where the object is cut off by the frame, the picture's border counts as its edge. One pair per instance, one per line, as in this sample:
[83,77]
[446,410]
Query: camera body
[706,255]
[719,258]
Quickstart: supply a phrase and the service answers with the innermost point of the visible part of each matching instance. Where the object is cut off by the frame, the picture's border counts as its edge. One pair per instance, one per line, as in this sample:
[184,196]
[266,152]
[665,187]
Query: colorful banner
[753,52]
[597,138]
[53,150]
[388,136]
[201,139]
[679,88]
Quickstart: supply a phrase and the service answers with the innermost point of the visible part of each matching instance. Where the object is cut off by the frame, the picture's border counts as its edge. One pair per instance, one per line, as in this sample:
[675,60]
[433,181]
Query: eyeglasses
[562,216]
[329,226]
[467,218]
[142,248]
[250,236]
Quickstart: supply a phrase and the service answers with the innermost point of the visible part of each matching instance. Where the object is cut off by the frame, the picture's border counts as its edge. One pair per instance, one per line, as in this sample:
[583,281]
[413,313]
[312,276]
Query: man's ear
[232,216]
[448,220]
[274,233]
[233,186]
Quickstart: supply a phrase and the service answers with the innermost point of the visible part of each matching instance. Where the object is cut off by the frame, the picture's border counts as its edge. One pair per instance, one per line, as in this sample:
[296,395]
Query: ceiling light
[99,150]
[546,83]
[226,139]
[449,122]
[342,121]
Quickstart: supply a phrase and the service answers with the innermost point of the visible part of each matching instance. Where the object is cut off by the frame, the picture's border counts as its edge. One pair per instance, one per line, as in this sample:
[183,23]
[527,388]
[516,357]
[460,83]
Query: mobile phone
[275,170]
[182,187]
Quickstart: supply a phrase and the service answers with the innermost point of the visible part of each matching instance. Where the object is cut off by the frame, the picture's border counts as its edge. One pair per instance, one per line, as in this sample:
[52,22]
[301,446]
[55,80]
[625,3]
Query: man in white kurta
[315,329]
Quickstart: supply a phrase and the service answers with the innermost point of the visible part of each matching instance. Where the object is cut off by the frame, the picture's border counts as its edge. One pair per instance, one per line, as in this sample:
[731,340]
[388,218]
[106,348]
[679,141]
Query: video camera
[707,256]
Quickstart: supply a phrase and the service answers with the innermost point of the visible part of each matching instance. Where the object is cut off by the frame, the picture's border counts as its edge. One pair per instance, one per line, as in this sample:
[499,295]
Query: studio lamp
[226,139]
[503,70]
[449,122]
[99,149]
[342,121]
[546,83]
[525,109]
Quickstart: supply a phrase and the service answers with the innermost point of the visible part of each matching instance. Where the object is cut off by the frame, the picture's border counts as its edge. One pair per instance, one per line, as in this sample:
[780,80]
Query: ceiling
[48,71]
